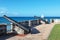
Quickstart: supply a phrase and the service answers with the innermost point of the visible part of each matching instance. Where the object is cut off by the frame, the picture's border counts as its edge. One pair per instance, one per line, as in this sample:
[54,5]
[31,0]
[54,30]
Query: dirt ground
[40,32]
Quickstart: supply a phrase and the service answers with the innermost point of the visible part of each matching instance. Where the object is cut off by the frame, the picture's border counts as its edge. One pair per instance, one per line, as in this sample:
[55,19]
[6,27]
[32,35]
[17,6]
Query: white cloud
[3,11]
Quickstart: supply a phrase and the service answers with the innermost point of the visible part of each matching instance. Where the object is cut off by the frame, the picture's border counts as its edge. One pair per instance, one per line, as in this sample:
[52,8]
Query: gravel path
[44,30]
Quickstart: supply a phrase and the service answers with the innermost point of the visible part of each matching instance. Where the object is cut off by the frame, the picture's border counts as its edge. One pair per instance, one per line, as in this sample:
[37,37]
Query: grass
[55,33]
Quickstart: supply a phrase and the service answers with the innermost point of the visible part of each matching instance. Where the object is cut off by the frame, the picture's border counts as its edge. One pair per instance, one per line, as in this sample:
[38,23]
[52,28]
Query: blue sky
[30,7]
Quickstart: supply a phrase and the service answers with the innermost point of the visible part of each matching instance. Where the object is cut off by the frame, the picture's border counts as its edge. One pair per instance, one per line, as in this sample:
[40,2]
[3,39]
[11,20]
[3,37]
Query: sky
[20,8]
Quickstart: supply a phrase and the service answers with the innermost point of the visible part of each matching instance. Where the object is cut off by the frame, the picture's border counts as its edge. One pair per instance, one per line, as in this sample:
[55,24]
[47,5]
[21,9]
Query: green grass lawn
[55,33]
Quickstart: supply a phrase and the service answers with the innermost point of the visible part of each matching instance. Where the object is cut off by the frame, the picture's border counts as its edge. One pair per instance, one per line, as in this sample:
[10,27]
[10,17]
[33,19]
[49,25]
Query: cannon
[42,20]
[27,29]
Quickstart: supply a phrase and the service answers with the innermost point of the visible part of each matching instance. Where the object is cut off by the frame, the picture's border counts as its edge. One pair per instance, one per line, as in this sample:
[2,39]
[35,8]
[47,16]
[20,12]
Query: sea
[21,19]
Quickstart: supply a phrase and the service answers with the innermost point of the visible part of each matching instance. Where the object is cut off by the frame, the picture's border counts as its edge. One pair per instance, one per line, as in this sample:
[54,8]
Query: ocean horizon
[21,19]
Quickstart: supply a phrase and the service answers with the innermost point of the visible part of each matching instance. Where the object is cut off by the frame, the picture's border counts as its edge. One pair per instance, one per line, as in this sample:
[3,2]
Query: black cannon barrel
[15,22]
[43,20]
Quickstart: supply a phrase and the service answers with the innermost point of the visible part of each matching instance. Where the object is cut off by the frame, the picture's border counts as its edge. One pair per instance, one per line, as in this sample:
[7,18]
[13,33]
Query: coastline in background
[19,19]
